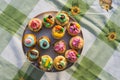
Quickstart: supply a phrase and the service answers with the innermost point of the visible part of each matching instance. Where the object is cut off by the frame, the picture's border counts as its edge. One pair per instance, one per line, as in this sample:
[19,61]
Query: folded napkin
[100,23]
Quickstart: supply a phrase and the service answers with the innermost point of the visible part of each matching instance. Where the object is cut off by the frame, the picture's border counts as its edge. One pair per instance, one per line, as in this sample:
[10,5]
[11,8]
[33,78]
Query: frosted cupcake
[60,62]
[33,54]
[71,55]
[60,47]
[29,40]
[35,24]
[73,28]
[46,63]
[58,32]
[76,42]
[44,42]
[62,18]
[48,21]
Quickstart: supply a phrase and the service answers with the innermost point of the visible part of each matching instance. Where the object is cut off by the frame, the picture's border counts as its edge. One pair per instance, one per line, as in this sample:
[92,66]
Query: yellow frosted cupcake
[58,32]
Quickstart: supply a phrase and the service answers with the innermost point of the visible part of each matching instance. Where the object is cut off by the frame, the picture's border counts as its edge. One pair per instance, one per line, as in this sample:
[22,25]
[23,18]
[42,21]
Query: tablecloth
[100,23]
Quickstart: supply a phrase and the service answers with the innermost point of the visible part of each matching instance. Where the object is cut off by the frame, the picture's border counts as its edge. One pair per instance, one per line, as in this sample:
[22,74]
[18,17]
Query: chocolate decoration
[33,53]
[71,24]
[49,16]
[44,44]
[60,66]
[62,17]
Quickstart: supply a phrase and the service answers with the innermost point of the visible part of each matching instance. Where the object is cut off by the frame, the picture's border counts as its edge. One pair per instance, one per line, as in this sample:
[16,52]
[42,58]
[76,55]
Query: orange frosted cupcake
[35,24]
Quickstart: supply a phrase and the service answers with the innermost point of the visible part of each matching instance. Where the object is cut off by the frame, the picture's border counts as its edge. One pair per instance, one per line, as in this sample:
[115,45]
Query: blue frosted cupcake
[44,42]
[33,54]
[29,40]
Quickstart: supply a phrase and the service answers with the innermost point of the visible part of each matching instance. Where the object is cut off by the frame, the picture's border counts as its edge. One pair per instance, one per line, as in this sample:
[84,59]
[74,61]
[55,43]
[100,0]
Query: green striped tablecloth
[100,58]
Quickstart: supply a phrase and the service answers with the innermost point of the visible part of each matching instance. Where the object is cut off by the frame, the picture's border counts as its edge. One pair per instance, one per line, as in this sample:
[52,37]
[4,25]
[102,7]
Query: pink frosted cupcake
[60,47]
[76,42]
[35,24]
[73,28]
[71,55]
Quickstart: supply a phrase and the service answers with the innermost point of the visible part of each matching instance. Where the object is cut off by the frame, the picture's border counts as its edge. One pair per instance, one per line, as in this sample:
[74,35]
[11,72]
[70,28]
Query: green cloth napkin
[100,58]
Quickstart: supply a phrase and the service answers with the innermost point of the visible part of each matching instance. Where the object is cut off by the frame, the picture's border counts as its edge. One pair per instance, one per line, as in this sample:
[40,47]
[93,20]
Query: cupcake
[33,54]
[44,42]
[60,63]
[35,24]
[58,32]
[46,63]
[76,42]
[73,28]
[60,47]
[48,21]
[62,18]
[29,40]
[71,55]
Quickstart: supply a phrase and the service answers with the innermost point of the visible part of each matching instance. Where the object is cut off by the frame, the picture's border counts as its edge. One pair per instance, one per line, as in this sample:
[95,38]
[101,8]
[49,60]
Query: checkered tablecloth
[100,58]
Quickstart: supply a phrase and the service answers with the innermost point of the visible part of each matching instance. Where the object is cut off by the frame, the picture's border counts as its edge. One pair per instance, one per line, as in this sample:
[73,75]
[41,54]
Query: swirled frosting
[61,17]
[76,42]
[74,28]
[29,41]
[60,46]
[72,56]
[44,44]
[35,24]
